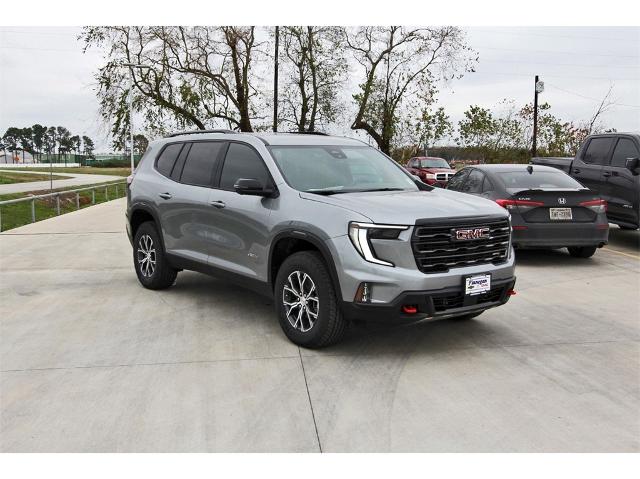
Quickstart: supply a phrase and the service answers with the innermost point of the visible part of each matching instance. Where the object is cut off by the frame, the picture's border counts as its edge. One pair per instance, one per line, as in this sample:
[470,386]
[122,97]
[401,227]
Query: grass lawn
[19,214]
[9,177]
[90,170]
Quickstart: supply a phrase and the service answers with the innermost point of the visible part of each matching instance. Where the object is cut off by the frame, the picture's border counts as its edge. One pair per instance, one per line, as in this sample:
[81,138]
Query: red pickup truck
[432,171]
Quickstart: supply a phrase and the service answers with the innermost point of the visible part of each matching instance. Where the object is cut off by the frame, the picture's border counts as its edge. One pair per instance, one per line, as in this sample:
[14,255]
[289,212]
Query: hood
[405,207]
[437,170]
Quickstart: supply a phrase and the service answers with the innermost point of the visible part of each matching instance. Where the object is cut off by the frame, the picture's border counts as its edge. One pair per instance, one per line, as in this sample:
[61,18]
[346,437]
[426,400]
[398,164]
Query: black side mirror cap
[632,164]
[254,187]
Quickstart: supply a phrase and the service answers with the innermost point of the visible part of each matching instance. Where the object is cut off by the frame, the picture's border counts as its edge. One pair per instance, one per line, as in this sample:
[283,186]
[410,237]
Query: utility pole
[275,83]
[539,88]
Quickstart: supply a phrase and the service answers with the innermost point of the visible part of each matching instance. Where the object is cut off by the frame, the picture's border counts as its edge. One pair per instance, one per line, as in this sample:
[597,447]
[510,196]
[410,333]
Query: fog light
[363,294]
[409,309]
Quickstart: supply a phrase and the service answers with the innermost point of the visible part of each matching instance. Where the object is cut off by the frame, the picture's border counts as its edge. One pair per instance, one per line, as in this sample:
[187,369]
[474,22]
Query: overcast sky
[45,78]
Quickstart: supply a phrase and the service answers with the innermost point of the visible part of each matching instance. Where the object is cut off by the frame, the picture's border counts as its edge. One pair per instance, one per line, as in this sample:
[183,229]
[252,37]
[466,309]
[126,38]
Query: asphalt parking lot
[91,361]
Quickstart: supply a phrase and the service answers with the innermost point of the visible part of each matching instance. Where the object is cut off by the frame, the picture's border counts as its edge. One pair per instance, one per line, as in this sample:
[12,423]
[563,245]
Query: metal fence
[21,211]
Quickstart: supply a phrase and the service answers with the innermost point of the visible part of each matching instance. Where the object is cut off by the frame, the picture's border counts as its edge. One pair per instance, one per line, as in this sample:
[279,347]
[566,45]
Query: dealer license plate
[560,214]
[477,284]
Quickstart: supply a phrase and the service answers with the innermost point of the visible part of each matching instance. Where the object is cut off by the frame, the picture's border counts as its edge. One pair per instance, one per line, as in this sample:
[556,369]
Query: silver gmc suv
[330,228]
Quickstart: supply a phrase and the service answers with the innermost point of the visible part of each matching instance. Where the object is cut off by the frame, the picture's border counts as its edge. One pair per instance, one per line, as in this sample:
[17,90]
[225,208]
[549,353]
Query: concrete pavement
[91,361]
[76,179]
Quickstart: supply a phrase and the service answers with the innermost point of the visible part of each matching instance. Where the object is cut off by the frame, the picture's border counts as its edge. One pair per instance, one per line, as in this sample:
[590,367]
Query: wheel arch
[141,213]
[285,243]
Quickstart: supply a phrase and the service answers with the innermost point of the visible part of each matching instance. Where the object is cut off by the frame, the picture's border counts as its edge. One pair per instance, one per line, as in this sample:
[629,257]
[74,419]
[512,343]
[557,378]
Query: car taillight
[521,204]
[599,206]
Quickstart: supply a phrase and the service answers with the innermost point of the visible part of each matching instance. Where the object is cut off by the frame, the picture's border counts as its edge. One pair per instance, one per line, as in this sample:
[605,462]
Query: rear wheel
[152,267]
[582,251]
[306,301]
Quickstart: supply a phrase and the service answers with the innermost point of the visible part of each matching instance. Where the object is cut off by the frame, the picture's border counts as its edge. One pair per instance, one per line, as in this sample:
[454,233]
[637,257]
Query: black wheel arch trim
[147,209]
[298,233]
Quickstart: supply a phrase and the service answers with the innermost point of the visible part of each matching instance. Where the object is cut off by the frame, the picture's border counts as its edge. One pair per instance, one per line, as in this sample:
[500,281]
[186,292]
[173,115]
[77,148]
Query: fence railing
[21,211]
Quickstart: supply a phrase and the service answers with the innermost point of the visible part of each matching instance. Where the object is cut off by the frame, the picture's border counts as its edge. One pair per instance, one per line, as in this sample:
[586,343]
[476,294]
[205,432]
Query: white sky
[45,78]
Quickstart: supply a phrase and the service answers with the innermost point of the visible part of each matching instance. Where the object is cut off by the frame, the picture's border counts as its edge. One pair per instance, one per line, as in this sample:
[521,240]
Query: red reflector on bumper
[511,292]
[409,309]
[515,228]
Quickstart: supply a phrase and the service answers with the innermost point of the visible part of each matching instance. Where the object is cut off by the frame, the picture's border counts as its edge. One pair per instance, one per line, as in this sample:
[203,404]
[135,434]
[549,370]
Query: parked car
[328,227]
[432,171]
[549,209]
[608,164]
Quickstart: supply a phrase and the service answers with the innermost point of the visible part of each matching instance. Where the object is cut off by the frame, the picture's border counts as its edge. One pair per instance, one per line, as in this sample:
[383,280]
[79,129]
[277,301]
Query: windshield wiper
[382,189]
[326,192]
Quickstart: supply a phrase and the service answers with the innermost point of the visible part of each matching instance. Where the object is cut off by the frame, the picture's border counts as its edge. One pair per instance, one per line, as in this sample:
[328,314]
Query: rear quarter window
[167,159]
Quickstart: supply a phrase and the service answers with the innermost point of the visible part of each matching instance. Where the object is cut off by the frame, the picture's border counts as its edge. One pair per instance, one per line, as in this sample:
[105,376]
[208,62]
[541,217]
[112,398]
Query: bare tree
[399,62]
[314,64]
[605,105]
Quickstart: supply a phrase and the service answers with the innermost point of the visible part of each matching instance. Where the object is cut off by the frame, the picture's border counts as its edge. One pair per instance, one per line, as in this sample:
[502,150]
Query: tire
[158,275]
[582,251]
[298,321]
[466,317]
[627,228]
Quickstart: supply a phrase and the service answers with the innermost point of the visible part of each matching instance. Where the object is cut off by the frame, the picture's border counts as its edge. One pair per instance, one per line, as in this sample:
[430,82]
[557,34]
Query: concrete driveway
[77,179]
[91,361]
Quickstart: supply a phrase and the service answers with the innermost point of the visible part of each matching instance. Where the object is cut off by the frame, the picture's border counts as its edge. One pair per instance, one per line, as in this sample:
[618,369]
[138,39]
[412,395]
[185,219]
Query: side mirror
[632,165]
[251,186]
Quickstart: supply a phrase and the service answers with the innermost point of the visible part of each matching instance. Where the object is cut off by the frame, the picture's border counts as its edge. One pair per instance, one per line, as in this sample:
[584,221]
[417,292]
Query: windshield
[433,163]
[523,180]
[339,169]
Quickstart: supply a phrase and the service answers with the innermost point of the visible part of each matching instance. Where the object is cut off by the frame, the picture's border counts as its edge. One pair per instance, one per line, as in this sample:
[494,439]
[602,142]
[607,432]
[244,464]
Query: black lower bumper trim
[431,304]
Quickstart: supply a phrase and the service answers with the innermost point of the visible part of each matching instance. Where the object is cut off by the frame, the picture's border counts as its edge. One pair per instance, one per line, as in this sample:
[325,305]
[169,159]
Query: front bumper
[439,303]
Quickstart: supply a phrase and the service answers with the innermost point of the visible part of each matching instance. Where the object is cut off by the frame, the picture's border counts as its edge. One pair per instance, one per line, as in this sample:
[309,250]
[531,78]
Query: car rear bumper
[548,235]
[440,303]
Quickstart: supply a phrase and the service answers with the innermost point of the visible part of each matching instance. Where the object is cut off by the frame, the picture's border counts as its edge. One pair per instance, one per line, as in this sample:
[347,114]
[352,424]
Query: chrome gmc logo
[472,233]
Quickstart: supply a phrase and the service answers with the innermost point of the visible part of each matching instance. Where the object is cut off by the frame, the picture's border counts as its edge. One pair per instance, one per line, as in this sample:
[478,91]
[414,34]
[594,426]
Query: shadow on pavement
[626,239]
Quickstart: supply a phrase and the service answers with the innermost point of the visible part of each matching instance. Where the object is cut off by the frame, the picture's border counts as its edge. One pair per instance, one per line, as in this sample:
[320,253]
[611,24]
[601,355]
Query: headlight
[360,233]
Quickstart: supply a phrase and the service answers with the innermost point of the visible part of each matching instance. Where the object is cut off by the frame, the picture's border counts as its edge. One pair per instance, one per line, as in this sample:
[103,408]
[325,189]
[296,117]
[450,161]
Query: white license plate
[477,284]
[560,214]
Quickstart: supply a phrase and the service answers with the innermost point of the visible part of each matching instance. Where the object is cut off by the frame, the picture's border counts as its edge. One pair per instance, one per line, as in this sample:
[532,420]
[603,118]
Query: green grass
[90,170]
[10,177]
[20,214]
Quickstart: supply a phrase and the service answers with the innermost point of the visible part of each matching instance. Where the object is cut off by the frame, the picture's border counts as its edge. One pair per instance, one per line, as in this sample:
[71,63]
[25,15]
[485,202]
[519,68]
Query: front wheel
[306,301]
[582,251]
[149,260]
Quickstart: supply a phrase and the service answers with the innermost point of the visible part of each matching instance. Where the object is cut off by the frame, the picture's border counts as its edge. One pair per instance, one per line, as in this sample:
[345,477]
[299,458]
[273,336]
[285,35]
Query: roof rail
[309,133]
[194,132]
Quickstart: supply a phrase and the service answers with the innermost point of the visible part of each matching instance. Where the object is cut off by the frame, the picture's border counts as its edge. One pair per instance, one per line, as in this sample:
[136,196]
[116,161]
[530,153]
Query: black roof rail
[195,132]
[321,133]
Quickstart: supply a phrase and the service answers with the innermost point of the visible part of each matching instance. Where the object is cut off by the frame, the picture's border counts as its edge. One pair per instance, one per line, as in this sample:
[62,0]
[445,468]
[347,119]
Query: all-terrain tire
[149,259]
[582,251]
[329,325]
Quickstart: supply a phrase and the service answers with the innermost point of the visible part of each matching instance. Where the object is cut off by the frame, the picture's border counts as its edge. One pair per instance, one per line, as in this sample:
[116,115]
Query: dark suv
[322,225]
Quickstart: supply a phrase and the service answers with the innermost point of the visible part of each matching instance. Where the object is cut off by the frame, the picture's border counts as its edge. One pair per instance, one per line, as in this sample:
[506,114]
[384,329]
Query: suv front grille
[443,176]
[437,250]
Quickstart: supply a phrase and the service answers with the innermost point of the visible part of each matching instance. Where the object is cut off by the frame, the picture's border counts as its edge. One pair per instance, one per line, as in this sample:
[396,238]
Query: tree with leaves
[140,143]
[198,76]
[87,146]
[398,63]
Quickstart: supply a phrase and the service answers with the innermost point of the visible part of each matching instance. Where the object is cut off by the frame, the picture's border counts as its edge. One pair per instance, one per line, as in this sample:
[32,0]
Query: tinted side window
[597,151]
[166,160]
[201,162]
[624,149]
[242,162]
[473,184]
[487,185]
[456,181]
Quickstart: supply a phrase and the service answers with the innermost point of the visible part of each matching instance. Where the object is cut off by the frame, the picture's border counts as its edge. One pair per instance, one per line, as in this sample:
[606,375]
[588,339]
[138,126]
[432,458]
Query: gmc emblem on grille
[472,233]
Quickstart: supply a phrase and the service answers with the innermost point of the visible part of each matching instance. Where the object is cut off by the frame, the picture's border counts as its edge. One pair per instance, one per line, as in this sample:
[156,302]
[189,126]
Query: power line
[525,51]
[561,64]
[557,76]
[590,98]
[548,35]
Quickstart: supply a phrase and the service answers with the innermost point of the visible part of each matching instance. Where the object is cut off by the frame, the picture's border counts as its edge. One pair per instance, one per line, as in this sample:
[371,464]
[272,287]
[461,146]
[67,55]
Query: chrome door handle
[576,170]
[218,204]
[165,196]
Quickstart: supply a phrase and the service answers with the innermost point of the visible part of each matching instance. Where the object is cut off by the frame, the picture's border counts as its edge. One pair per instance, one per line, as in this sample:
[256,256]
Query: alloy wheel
[300,299]
[146,256]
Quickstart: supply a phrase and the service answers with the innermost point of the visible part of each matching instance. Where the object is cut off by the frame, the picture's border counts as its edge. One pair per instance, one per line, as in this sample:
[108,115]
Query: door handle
[218,204]
[606,174]
[165,196]
[576,170]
